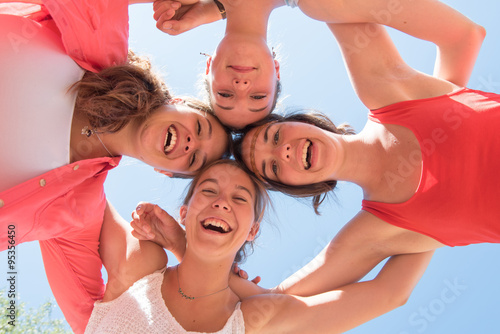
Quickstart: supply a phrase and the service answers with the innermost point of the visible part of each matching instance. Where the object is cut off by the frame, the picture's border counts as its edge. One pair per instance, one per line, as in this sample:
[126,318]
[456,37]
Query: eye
[258,97]
[276,136]
[225,95]
[208,191]
[274,168]
[240,199]
[198,127]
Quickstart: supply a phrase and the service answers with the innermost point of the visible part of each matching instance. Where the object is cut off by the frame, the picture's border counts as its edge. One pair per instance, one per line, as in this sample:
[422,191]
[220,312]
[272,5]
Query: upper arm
[377,72]
[125,258]
[358,247]
[339,310]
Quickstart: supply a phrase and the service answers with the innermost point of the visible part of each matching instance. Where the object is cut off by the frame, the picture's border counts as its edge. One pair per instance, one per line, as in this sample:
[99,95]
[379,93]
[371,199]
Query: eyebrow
[258,110]
[224,108]
[264,169]
[266,133]
[238,186]
[209,128]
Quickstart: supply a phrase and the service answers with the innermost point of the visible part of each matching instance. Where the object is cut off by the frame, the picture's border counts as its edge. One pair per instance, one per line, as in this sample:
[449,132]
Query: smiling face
[242,77]
[220,215]
[180,139]
[291,153]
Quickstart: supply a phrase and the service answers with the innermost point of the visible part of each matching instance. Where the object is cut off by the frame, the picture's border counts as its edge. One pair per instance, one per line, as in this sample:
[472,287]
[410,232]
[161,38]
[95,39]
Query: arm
[457,38]
[125,258]
[361,244]
[340,310]
[174,17]
[377,72]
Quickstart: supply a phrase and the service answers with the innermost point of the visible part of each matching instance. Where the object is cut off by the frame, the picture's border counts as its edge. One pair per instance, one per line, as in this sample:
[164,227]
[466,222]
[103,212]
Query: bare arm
[458,39]
[377,72]
[361,244]
[125,258]
[340,310]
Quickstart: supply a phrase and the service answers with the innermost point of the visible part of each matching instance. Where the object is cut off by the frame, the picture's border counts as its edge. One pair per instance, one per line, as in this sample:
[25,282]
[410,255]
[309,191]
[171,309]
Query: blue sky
[458,294]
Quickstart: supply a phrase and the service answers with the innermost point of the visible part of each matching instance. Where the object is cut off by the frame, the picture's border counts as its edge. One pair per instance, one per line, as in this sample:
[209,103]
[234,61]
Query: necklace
[192,298]
[89,132]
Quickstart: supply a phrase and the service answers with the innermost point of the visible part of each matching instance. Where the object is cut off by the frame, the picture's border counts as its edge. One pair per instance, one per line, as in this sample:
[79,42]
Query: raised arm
[340,310]
[458,39]
[125,258]
[377,72]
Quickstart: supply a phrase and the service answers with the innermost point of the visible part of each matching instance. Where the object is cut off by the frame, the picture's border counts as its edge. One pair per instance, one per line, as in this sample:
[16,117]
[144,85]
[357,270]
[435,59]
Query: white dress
[141,309]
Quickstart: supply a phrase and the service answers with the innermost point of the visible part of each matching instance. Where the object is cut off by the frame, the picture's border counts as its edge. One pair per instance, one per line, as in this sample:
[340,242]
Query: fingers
[256,280]
[142,230]
[163,7]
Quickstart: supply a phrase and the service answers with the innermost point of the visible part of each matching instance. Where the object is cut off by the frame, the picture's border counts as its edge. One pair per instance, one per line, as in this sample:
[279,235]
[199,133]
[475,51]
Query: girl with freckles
[221,213]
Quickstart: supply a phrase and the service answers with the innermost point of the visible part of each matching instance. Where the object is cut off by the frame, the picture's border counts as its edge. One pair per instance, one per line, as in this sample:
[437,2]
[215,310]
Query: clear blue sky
[459,293]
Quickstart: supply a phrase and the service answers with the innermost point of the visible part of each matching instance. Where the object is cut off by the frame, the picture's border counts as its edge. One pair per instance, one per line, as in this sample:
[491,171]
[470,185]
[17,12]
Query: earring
[205,54]
[274,53]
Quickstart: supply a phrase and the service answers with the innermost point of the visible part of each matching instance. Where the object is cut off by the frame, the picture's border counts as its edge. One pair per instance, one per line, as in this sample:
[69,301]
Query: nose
[283,152]
[221,203]
[241,84]
[190,144]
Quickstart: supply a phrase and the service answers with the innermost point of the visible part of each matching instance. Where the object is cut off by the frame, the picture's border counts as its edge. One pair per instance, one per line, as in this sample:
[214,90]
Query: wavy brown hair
[120,94]
[318,191]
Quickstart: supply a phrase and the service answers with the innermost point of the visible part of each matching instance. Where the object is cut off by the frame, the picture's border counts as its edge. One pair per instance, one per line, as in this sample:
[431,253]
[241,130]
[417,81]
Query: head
[176,136]
[292,154]
[242,80]
[223,209]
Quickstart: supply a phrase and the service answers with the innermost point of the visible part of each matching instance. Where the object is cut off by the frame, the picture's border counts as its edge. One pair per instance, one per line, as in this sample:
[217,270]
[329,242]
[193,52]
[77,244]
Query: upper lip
[242,69]
[171,133]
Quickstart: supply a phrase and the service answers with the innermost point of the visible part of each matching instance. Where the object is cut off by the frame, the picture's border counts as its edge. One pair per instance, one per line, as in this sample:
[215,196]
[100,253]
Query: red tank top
[457,201]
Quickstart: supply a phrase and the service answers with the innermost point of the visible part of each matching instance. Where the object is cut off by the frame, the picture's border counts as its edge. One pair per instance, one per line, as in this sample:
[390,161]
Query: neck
[357,159]
[199,278]
[249,17]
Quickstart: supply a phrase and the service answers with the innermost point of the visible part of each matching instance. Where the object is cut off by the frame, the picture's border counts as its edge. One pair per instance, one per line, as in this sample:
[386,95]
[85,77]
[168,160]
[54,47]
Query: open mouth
[306,154]
[216,225]
[170,140]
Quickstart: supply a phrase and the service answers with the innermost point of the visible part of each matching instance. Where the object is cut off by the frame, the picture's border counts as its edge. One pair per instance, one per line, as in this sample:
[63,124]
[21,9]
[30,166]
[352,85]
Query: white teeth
[306,164]
[216,223]
[170,139]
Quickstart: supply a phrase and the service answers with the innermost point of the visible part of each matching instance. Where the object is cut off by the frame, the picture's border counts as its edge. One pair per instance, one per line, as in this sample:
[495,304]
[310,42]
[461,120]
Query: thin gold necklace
[192,298]
[86,131]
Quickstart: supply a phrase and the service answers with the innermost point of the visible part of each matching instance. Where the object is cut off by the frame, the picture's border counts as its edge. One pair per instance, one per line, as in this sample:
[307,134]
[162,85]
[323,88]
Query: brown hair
[261,200]
[319,190]
[119,94]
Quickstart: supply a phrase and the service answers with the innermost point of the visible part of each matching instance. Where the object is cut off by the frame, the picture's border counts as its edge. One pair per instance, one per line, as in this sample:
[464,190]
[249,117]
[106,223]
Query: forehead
[240,117]
[227,176]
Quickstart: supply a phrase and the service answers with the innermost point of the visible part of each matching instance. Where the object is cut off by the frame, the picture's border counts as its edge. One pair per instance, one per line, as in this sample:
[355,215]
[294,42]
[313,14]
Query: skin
[206,267]
[200,139]
[429,20]
[380,78]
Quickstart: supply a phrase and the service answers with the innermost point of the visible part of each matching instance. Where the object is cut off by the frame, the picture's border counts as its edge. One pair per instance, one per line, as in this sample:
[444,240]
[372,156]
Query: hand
[174,17]
[150,222]
[243,274]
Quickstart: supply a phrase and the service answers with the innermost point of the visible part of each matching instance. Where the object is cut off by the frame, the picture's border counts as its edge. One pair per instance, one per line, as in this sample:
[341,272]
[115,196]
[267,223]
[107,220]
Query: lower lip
[165,135]
[210,231]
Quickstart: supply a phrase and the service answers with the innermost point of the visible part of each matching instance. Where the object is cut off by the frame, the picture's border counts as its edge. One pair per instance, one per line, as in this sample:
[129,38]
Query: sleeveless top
[141,309]
[457,201]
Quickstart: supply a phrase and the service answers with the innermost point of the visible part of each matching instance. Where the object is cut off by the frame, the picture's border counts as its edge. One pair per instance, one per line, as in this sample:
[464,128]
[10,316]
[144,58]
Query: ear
[169,174]
[209,62]
[277,68]
[182,213]
[253,231]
